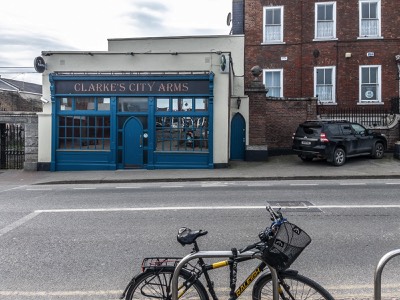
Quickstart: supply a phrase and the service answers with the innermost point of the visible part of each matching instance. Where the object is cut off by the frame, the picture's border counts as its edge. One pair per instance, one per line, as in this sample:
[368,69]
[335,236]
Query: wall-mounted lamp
[238,102]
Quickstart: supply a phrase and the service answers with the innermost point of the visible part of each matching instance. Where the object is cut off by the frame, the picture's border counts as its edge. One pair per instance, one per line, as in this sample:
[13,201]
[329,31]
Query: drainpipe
[397,145]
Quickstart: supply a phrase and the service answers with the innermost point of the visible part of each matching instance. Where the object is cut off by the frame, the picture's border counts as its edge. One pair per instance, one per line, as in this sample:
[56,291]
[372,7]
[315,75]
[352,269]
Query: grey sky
[29,27]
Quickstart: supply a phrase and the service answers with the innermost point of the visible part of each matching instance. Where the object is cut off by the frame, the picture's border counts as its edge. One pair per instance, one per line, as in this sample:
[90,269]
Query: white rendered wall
[154,55]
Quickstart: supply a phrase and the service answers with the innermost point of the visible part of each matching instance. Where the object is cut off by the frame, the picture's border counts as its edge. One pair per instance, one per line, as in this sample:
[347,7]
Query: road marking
[39,189]
[171,186]
[303,184]
[353,183]
[128,187]
[19,222]
[175,208]
[14,188]
[392,183]
[59,293]
[84,188]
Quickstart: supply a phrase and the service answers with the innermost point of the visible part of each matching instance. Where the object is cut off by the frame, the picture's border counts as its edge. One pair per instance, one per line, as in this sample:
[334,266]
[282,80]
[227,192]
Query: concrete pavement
[285,167]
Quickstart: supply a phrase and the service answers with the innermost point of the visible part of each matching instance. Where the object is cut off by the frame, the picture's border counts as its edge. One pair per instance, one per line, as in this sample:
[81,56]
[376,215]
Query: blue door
[238,137]
[133,143]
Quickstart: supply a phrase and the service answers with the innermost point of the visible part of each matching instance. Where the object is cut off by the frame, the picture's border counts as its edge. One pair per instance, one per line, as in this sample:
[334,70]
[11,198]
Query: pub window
[83,123]
[84,133]
[182,124]
[133,104]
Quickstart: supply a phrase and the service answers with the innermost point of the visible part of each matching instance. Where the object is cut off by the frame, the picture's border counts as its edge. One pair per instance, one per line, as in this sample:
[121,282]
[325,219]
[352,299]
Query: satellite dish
[228,19]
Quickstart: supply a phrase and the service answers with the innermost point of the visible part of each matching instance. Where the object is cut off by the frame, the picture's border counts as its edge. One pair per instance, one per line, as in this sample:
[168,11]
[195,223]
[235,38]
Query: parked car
[335,141]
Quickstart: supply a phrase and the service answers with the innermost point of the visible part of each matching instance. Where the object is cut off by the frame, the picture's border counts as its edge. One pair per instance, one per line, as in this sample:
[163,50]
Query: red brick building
[341,51]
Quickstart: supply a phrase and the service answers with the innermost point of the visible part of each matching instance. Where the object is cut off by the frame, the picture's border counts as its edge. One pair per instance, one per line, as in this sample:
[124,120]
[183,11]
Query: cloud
[146,16]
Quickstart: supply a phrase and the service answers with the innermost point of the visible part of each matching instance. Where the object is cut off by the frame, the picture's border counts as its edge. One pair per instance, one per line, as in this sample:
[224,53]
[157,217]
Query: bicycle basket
[287,244]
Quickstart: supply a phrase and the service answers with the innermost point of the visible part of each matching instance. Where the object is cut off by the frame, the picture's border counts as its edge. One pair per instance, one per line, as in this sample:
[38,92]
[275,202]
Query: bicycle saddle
[186,236]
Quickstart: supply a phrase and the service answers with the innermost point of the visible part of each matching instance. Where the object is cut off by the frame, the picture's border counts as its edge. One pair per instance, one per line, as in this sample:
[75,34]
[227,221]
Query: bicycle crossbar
[378,272]
[217,254]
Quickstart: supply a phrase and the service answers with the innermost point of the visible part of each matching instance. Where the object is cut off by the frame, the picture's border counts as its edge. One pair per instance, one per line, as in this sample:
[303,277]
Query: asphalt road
[87,241]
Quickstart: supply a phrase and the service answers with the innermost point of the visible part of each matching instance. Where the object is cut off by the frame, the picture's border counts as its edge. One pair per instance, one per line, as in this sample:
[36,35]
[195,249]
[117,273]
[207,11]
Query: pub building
[150,103]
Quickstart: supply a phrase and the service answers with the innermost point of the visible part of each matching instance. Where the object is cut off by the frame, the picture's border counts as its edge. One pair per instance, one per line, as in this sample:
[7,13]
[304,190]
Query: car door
[349,139]
[364,140]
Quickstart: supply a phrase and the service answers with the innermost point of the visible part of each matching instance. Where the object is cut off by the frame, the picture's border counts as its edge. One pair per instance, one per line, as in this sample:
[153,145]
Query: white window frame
[363,35]
[272,41]
[333,36]
[362,98]
[265,71]
[333,88]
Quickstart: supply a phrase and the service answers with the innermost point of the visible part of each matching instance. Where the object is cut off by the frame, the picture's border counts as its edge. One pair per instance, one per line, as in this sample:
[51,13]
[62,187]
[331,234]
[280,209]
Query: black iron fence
[370,116]
[12,146]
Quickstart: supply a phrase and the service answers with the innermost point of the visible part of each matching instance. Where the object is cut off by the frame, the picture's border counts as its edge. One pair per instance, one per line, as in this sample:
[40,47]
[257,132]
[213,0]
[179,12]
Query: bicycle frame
[216,254]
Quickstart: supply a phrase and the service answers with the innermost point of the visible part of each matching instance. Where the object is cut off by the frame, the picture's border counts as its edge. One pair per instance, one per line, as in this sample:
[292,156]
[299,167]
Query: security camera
[44,100]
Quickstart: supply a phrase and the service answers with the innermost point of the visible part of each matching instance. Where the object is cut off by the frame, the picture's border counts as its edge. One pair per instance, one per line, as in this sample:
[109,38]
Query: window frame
[175,124]
[83,129]
[317,4]
[265,9]
[360,19]
[333,68]
[378,88]
[280,71]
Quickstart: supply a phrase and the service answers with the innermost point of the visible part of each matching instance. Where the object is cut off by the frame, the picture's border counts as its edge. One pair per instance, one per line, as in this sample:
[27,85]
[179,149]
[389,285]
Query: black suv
[336,140]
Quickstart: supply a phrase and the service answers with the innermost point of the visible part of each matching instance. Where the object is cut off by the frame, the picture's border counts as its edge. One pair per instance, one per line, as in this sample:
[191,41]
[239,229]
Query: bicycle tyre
[297,287]
[156,284]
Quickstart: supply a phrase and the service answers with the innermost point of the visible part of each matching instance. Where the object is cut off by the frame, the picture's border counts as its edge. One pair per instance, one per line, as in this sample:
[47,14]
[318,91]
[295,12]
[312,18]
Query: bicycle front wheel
[156,284]
[292,286]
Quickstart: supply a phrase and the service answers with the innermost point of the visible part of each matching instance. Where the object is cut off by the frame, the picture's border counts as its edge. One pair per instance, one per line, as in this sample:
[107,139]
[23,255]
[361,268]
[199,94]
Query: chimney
[237,16]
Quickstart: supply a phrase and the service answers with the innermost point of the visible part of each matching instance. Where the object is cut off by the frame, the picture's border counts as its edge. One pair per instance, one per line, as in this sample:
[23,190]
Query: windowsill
[370,103]
[327,104]
[325,39]
[370,38]
[273,43]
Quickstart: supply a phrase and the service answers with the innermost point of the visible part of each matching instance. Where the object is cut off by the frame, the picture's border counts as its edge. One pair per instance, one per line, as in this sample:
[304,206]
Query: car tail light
[323,138]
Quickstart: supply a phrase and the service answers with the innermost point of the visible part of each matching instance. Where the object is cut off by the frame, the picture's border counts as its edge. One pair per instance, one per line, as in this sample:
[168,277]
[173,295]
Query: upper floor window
[324,84]
[370,84]
[325,20]
[273,81]
[370,18]
[273,24]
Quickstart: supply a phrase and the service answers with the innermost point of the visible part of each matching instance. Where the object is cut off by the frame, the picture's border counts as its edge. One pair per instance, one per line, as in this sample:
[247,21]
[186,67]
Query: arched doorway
[133,143]
[238,137]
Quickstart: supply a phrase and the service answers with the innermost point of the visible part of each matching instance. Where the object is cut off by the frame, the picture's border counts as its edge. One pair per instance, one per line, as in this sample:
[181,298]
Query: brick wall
[11,101]
[282,118]
[299,47]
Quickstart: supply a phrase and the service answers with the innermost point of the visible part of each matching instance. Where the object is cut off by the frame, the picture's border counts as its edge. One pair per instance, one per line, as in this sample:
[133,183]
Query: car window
[346,129]
[358,129]
[333,129]
[309,130]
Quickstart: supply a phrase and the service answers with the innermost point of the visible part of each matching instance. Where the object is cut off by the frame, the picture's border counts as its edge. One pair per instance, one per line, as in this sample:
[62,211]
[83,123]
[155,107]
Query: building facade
[145,103]
[342,52]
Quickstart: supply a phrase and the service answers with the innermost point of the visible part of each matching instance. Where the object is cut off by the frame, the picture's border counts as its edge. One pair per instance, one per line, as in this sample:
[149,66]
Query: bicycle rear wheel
[292,286]
[156,284]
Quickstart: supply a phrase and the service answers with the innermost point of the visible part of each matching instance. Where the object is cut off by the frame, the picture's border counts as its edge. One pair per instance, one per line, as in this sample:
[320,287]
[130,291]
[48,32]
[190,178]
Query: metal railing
[12,146]
[378,272]
[369,116]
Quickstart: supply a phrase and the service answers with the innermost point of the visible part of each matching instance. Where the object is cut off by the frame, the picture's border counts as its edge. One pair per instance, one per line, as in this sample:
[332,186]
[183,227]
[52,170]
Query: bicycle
[279,246]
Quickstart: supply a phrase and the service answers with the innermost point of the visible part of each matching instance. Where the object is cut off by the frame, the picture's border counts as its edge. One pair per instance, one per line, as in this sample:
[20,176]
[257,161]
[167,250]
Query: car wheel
[379,150]
[339,157]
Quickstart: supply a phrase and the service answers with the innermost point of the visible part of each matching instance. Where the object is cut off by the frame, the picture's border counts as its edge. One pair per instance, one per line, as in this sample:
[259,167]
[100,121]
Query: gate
[12,146]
